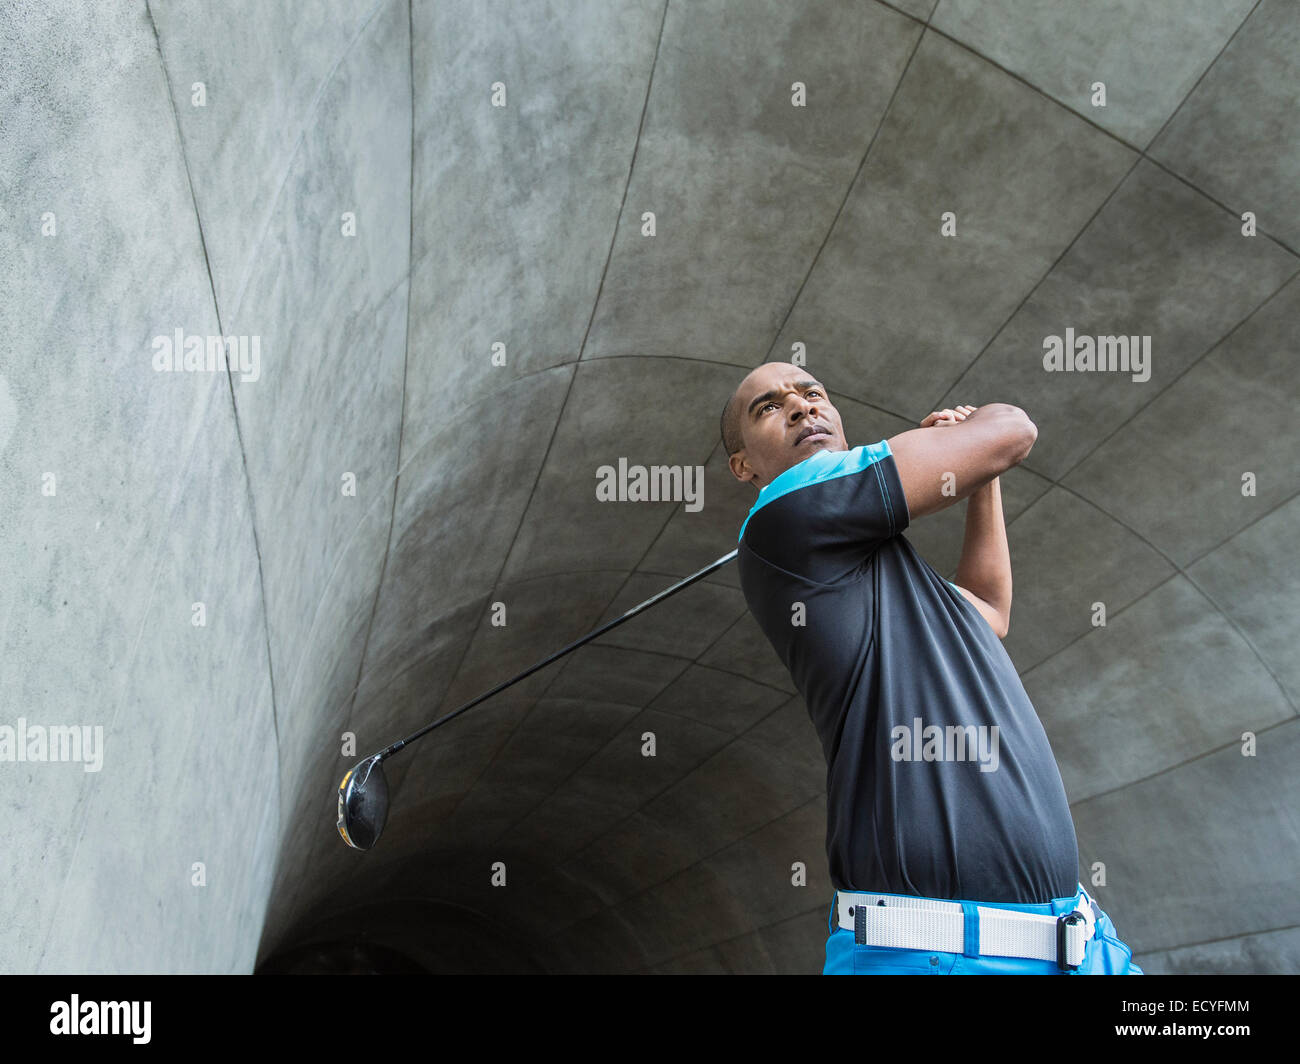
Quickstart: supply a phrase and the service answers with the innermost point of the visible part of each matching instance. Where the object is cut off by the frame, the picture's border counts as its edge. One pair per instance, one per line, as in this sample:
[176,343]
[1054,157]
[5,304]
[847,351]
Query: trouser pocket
[882,960]
[1105,953]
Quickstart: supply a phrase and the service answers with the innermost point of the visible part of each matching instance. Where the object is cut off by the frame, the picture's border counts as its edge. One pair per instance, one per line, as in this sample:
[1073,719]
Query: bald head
[732,441]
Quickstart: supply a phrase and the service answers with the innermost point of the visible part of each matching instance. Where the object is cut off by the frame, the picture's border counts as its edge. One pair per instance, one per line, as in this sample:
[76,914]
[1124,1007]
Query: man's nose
[804,407]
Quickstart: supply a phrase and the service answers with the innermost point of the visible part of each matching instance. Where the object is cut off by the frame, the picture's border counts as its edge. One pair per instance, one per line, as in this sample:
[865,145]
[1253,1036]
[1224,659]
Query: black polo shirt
[940,781]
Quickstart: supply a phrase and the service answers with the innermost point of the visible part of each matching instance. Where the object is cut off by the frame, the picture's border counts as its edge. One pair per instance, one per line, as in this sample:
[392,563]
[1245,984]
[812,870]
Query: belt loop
[971,929]
[860,923]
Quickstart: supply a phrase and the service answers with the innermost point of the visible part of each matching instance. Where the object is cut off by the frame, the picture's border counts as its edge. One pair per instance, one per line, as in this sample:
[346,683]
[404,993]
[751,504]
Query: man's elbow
[1000,622]
[1022,434]
[1032,434]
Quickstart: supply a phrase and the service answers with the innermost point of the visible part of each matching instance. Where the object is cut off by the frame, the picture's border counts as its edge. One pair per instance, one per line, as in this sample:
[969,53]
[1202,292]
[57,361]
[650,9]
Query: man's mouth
[813,432]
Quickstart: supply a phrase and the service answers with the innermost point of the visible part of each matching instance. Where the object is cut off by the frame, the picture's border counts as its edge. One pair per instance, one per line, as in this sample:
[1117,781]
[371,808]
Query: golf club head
[363,803]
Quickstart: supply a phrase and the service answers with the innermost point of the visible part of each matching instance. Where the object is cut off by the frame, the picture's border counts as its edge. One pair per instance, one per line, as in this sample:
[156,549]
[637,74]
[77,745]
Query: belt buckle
[1063,923]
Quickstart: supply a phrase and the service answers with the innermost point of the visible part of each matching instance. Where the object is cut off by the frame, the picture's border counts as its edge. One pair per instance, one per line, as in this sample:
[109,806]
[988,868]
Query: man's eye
[813,391]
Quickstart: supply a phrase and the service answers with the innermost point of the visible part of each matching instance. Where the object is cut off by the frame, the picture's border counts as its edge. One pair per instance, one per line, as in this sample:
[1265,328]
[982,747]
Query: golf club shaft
[560,653]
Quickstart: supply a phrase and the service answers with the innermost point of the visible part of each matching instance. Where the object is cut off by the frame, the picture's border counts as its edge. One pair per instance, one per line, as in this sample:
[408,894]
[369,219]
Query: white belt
[933,924]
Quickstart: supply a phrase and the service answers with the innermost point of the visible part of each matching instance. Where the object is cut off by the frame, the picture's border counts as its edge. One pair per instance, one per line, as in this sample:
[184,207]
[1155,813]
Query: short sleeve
[823,518]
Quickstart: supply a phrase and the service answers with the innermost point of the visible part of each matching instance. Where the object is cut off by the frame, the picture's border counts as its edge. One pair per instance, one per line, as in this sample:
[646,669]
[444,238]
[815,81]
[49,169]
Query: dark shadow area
[406,937]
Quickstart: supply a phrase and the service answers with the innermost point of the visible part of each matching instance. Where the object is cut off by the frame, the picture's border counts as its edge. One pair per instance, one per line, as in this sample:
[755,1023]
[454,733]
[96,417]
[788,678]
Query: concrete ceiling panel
[1187,683]
[1160,263]
[1148,53]
[1217,447]
[903,309]
[1237,136]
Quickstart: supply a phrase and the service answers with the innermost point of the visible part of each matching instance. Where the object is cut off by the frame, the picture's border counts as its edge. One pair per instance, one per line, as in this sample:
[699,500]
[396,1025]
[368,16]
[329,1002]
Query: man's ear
[739,466]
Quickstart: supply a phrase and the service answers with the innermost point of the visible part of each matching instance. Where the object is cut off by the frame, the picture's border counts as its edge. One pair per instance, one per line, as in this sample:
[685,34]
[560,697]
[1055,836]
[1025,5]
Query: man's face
[785,417]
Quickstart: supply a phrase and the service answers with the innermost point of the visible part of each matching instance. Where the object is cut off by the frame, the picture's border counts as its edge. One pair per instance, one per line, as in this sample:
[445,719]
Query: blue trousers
[1105,954]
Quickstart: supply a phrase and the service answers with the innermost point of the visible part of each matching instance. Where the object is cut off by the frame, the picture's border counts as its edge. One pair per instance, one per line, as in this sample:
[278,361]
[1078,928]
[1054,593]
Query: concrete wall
[175,488]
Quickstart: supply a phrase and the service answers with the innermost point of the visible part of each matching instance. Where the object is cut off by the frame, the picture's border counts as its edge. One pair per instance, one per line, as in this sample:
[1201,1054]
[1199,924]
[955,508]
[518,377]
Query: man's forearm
[985,567]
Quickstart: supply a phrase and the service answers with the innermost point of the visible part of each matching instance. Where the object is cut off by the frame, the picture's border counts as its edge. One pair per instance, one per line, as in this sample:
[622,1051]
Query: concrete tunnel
[474,251]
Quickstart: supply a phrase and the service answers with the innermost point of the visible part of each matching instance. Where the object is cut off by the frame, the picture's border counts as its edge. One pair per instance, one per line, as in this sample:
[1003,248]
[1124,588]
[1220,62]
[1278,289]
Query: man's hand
[938,469]
[947,417]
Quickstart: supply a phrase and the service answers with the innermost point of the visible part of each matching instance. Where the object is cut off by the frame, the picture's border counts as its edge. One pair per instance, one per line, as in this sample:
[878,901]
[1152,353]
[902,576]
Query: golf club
[363,792]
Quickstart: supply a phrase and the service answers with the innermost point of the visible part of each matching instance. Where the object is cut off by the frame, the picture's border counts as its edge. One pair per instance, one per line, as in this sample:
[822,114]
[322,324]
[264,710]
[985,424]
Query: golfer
[948,836]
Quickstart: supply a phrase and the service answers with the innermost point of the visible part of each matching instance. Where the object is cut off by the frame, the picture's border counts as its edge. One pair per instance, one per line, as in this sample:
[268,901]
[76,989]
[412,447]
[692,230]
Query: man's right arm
[942,464]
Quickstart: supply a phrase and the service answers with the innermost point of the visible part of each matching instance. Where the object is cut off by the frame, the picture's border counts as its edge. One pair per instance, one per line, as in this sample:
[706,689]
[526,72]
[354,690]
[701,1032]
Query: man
[949,837]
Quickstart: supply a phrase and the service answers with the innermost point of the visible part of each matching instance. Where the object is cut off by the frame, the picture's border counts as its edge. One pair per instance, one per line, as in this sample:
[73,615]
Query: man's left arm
[984,573]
